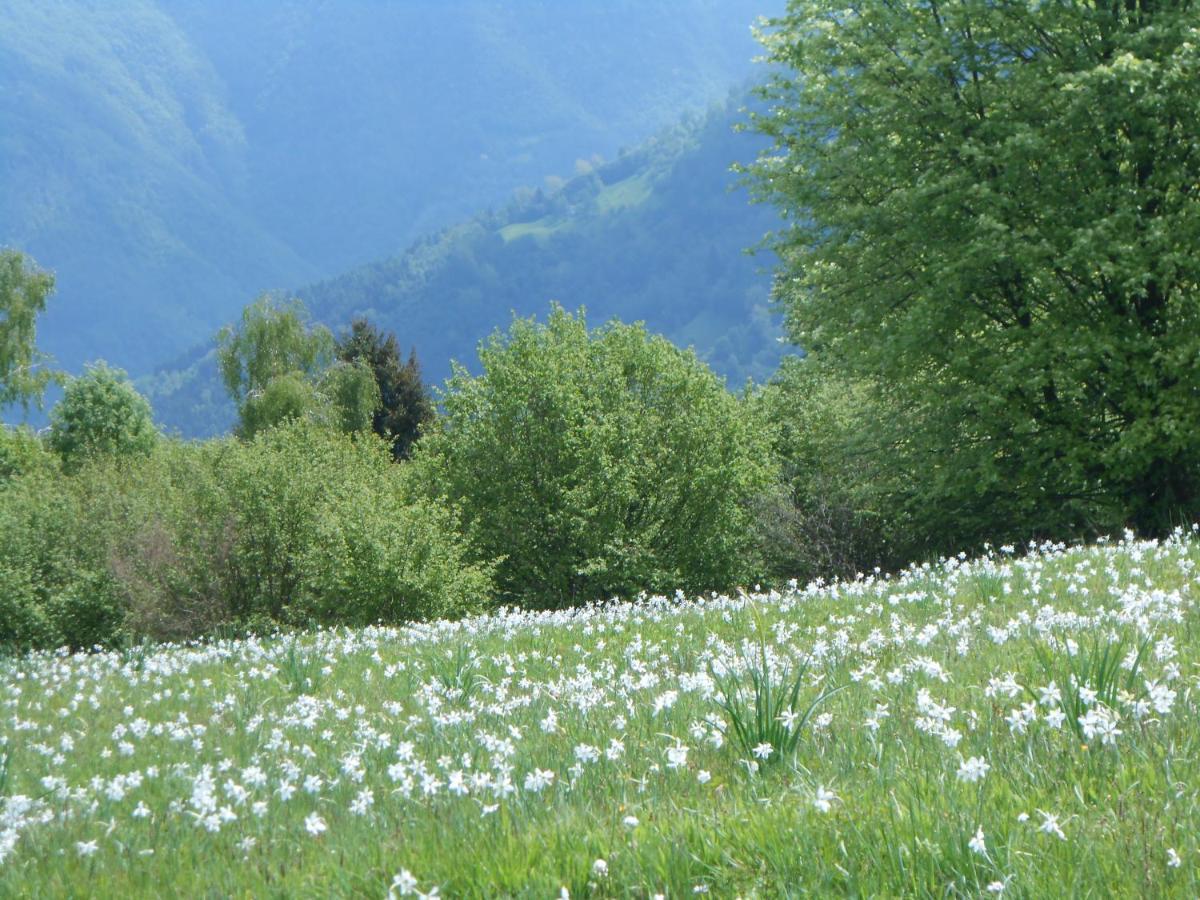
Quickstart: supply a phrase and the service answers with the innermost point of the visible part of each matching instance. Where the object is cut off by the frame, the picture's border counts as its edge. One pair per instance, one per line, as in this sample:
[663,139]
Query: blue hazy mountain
[657,235]
[170,160]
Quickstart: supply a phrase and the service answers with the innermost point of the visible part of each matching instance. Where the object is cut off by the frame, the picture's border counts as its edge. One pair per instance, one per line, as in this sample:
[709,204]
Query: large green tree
[23,292]
[594,464]
[994,221]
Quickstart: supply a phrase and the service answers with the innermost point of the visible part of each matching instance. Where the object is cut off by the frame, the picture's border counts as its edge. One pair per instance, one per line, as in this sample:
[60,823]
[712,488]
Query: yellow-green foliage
[301,524]
[595,463]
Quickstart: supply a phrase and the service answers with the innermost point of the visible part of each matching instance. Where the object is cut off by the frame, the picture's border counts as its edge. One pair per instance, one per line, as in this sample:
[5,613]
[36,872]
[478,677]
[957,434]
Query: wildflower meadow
[1019,725]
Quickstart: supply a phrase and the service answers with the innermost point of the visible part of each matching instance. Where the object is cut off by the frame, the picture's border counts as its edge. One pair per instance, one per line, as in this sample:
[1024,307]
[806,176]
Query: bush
[171,553]
[21,451]
[593,464]
[299,525]
[322,529]
[54,576]
[101,414]
[379,556]
[826,518]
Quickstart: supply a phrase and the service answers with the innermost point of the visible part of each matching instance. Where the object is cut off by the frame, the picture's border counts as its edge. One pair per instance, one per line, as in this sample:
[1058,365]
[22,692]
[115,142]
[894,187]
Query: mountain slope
[658,235]
[169,160]
[120,170]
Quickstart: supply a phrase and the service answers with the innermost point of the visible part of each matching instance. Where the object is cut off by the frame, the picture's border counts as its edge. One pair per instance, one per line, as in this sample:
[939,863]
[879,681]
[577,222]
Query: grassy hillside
[658,235]
[171,160]
[1022,726]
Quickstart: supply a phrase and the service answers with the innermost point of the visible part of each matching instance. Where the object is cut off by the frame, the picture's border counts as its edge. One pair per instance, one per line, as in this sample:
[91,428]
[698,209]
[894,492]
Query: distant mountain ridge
[658,235]
[170,160]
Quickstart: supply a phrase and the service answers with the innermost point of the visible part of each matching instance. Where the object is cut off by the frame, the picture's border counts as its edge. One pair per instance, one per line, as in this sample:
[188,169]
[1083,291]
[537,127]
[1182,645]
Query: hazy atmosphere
[171,160]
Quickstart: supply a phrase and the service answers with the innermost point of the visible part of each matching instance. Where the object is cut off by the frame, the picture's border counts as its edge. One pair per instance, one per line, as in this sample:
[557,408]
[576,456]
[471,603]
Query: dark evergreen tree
[406,402]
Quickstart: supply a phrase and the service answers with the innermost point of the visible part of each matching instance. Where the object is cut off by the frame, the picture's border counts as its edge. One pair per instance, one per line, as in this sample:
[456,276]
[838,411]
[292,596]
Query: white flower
[600,868]
[86,848]
[1050,825]
[764,750]
[630,821]
[403,884]
[362,802]
[1100,722]
[1173,859]
[704,776]
[314,824]
[1050,695]
[973,769]
[538,780]
[677,756]
[823,800]
[977,843]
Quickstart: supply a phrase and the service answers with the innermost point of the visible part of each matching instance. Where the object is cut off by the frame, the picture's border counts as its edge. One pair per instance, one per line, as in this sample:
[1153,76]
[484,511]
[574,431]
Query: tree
[273,339]
[993,219]
[23,292]
[597,463]
[101,414]
[405,404]
[277,368]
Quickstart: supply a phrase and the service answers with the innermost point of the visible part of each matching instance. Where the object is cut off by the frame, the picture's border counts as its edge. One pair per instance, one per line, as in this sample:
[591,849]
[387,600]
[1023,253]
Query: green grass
[925,672]
[545,227]
[627,193]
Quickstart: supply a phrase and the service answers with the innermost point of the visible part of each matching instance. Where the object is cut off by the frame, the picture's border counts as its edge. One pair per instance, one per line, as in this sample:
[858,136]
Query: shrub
[22,451]
[300,524]
[101,414]
[826,517]
[597,463]
[53,566]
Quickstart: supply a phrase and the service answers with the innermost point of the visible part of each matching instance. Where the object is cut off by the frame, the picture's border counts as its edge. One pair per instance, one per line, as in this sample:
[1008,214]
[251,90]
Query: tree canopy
[23,292]
[404,401]
[101,414]
[597,463]
[277,368]
[993,220]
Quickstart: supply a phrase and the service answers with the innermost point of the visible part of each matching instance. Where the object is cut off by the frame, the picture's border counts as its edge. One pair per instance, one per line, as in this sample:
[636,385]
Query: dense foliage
[300,525]
[596,463]
[101,414]
[278,369]
[994,222]
[405,405]
[23,292]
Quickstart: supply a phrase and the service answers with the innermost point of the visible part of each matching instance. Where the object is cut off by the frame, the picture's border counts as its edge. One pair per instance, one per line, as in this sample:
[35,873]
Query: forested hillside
[168,161]
[658,235]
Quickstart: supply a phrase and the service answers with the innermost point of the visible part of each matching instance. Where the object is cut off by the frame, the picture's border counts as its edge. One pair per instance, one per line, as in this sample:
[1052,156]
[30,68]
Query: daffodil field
[1022,724]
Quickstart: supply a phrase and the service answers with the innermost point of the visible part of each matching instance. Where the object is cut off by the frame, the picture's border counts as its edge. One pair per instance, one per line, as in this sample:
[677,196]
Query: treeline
[581,464]
[990,260]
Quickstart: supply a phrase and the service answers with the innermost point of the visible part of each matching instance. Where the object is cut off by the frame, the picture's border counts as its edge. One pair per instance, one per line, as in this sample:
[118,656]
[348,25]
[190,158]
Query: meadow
[1021,724]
